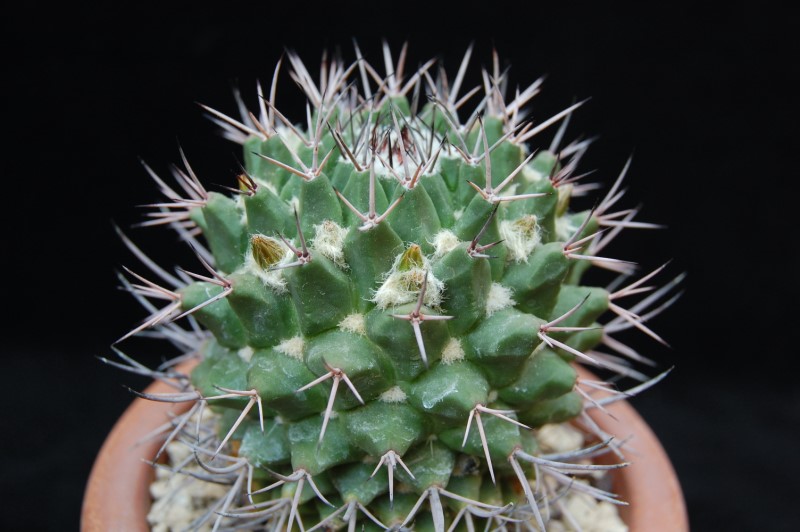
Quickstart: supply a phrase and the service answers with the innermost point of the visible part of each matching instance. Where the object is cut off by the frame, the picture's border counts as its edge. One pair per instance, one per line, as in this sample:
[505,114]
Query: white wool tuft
[393,395]
[354,323]
[403,287]
[499,299]
[453,352]
[246,353]
[444,242]
[329,240]
[293,347]
[520,237]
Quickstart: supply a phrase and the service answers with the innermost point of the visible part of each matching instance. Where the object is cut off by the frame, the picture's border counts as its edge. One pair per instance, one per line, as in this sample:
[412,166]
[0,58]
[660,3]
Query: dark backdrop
[702,97]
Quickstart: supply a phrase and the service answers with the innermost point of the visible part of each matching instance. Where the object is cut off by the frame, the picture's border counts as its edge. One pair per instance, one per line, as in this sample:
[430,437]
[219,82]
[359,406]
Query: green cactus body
[399,303]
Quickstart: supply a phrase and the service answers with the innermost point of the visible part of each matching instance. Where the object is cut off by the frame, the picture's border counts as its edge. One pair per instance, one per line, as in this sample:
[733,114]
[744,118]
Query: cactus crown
[393,300]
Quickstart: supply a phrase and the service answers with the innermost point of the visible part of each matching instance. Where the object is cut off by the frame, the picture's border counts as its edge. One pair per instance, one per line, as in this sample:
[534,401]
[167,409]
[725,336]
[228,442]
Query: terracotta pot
[117,495]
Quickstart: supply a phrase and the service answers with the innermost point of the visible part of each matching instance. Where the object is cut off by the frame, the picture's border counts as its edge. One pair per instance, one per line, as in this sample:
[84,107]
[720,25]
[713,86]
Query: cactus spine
[391,301]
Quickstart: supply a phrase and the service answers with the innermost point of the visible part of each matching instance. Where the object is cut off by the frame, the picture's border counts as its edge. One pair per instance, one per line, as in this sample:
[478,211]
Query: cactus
[391,302]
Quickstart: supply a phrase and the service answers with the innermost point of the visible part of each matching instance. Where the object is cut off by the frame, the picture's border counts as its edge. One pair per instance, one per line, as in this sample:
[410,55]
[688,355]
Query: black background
[703,97]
